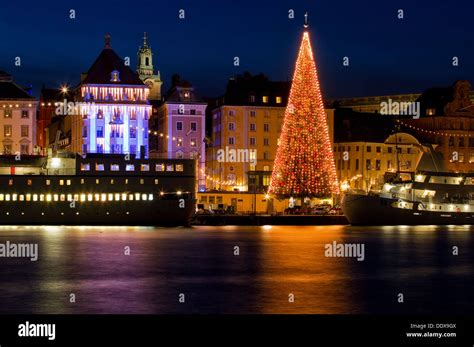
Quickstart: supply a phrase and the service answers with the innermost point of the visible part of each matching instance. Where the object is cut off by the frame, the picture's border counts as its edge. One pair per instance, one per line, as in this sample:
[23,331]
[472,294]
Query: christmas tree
[304,162]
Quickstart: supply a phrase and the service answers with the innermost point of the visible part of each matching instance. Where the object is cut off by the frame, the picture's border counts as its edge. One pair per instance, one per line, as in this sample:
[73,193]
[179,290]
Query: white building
[17,118]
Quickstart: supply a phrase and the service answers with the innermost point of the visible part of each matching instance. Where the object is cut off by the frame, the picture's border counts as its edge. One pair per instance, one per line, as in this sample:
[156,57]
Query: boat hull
[374,210]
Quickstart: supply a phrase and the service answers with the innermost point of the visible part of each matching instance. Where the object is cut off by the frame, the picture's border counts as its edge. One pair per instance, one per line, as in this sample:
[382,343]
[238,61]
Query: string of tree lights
[433,132]
[304,164]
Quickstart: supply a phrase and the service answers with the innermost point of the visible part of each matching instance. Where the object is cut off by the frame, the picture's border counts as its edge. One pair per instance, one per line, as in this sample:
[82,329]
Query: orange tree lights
[304,163]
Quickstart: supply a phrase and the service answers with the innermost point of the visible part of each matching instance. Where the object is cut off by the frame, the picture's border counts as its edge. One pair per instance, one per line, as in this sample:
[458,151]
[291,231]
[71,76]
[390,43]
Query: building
[246,125]
[178,128]
[17,118]
[111,111]
[50,98]
[447,119]
[146,71]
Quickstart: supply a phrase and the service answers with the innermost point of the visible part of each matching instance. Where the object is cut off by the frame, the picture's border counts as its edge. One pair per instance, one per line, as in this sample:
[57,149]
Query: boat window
[145,167]
[114,167]
[85,167]
[28,197]
[30,182]
[130,167]
[142,181]
[156,180]
[48,182]
[159,167]
[22,197]
[10,182]
[99,167]
[2,197]
[61,182]
[68,182]
[150,196]
[179,167]
[169,167]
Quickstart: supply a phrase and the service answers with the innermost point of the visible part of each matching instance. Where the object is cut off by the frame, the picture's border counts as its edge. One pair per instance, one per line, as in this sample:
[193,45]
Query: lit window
[179,167]
[130,197]
[264,99]
[22,197]
[30,182]
[99,167]
[28,197]
[126,181]
[137,196]
[278,100]
[169,167]
[62,197]
[159,167]
[83,197]
[144,197]
[76,197]
[10,182]
[145,167]
[142,181]
[96,197]
[89,197]
[150,196]
[7,197]
[48,182]
[68,182]
[103,197]
[130,167]
[112,181]
[124,197]
[117,197]
[156,180]
[97,181]
[61,182]
[69,197]
[85,167]
[14,197]
[111,197]
[114,167]
[56,197]
[82,181]
[41,197]
[2,197]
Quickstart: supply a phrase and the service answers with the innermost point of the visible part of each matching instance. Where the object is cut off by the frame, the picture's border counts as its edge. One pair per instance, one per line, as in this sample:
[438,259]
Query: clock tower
[146,72]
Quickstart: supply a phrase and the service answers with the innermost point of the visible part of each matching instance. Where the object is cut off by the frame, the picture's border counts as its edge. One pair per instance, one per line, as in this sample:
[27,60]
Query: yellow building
[361,165]
[246,126]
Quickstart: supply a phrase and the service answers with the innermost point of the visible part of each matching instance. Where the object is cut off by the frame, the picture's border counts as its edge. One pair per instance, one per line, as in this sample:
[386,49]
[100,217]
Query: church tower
[146,72]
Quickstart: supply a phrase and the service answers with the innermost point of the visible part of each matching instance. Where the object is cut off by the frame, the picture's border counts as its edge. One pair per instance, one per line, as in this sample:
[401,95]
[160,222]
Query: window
[179,167]
[130,167]
[115,76]
[253,113]
[278,99]
[253,127]
[169,167]
[369,149]
[193,126]
[252,98]
[7,114]
[100,131]
[25,149]
[160,167]
[100,148]
[133,132]
[389,149]
[266,156]
[231,126]
[25,130]
[25,114]
[114,167]
[193,142]
[144,167]
[266,127]
[179,126]
[357,148]
[231,141]
[7,149]
[378,149]
[253,141]
[266,142]
[231,113]
[265,99]
[368,165]
[7,130]
[99,167]
[84,131]
[179,142]
[378,165]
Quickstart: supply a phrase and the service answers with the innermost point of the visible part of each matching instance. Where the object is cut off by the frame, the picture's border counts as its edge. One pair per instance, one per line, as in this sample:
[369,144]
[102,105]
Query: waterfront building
[17,118]
[178,128]
[112,110]
[146,70]
[447,119]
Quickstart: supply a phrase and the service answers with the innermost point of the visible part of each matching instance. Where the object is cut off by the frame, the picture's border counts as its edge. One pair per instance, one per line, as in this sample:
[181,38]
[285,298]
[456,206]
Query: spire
[107,41]
[145,41]
[306,25]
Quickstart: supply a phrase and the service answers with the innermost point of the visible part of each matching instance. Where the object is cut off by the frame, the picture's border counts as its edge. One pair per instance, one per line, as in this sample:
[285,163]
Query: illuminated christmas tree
[304,162]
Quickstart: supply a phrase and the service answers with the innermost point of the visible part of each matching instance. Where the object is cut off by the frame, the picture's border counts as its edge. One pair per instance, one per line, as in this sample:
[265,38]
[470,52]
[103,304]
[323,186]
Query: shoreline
[268,220]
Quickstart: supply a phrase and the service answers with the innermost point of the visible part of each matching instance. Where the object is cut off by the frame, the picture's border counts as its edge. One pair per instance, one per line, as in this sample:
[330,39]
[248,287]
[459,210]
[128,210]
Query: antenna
[306,25]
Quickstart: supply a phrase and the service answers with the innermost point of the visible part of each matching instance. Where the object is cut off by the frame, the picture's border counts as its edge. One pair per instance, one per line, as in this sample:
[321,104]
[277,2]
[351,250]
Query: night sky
[387,55]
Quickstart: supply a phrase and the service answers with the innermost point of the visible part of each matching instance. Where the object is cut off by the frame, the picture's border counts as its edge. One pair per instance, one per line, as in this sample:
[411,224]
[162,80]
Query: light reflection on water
[274,261]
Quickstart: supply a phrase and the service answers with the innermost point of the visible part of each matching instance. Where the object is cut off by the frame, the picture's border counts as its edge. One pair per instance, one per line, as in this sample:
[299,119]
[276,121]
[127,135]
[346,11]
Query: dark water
[273,262]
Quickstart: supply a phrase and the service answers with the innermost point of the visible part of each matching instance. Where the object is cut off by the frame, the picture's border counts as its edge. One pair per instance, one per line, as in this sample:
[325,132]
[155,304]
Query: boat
[414,198]
[96,189]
